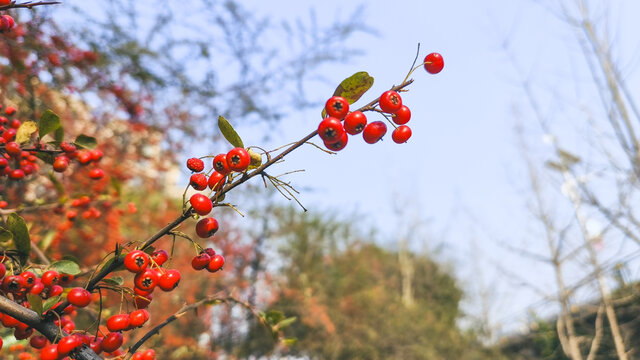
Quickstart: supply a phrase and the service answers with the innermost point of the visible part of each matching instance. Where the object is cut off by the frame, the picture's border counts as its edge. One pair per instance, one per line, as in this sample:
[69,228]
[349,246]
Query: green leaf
[256,160]
[86,142]
[47,240]
[353,87]
[49,122]
[21,238]
[5,235]
[46,157]
[66,266]
[273,317]
[59,134]
[289,341]
[284,323]
[50,302]
[229,132]
[36,303]
[25,131]
[116,281]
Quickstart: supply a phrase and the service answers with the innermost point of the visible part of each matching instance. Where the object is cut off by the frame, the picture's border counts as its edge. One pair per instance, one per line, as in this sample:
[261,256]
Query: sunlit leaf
[353,87]
[284,323]
[86,142]
[50,302]
[21,238]
[25,131]
[229,132]
[49,122]
[36,303]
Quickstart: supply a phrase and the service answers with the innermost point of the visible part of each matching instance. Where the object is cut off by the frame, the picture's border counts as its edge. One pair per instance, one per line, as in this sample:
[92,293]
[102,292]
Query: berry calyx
[337,107]
[401,134]
[330,130]
[201,204]
[195,164]
[206,227]
[146,280]
[79,297]
[374,131]
[238,159]
[390,101]
[402,116]
[355,122]
[50,278]
[136,261]
[433,63]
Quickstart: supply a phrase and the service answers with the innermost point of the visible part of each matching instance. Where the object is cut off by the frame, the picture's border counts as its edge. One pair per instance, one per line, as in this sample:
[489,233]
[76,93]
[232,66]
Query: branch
[28,5]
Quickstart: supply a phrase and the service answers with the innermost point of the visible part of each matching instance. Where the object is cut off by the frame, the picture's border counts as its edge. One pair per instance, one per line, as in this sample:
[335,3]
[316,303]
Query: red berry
[216,263]
[390,101]
[3,270]
[65,279]
[96,174]
[220,164]
[10,110]
[138,318]
[198,181]
[28,276]
[67,148]
[374,131]
[433,63]
[79,297]
[84,157]
[216,181]
[355,122]
[402,116]
[55,290]
[160,256]
[67,344]
[9,134]
[201,261]
[209,251]
[150,354]
[401,134]
[96,155]
[60,164]
[330,130]
[206,227]
[238,159]
[169,280]
[50,278]
[13,149]
[111,342]
[118,322]
[136,261]
[38,341]
[195,164]
[201,204]
[96,344]
[13,283]
[142,301]
[146,280]
[3,162]
[17,174]
[338,145]
[337,107]
[50,352]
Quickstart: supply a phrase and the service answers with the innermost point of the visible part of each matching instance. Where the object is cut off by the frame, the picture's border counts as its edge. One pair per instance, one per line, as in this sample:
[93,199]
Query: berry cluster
[208,259]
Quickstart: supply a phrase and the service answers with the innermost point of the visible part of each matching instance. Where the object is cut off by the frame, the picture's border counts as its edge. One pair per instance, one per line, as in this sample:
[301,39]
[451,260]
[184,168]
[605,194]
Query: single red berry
[37,288]
[216,263]
[201,261]
[67,148]
[206,227]
[79,297]
[138,317]
[55,290]
[10,110]
[374,131]
[13,283]
[67,344]
[238,159]
[401,134]
[60,164]
[118,322]
[433,63]
[330,130]
[65,279]
[96,344]
[96,155]
[338,145]
[50,278]
[220,164]
[195,164]
[209,251]
[111,342]
[13,148]
[198,181]
[50,352]
[355,122]
[84,157]
[149,354]
[216,181]
[337,107]
[169,280]
[9,134]
[96,174]
[136,261]
[15,123]
[3,163]
[390,101]
[201,204]
[38,341]
[21,333]
[143,301]
[146,280]
[17,174]
[3,270]
[160,256]
[402,116]
[28,276]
